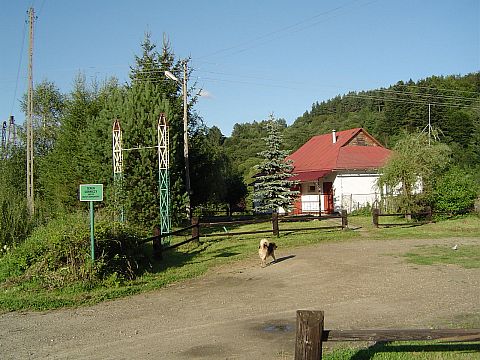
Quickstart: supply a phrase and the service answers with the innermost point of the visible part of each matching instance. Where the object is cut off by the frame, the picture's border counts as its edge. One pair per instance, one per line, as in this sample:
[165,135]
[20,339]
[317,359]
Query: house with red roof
[338,171]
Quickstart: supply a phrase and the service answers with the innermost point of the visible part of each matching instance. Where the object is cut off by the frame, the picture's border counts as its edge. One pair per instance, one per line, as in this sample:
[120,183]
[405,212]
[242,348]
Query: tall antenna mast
[164,173]
[30,193]
[429,126]
[118,169]
[12,134]
[429,123]
[3,149]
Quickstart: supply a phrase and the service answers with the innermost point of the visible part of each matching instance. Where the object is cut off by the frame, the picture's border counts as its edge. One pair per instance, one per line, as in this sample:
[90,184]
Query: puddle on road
[278,328]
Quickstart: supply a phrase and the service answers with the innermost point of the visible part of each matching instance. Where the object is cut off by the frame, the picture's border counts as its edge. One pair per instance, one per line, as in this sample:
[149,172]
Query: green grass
[421,350]
[193,260]
[467,256]
[468,226]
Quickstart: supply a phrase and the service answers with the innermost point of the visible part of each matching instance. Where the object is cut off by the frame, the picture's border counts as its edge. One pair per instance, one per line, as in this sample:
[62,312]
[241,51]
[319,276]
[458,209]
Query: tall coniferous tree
[158,94]
[273,189]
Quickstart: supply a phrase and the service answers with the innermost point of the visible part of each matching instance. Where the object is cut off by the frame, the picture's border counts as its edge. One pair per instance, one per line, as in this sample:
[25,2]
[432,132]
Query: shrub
[59,253]
[456,191]
[365,210]
[14,219]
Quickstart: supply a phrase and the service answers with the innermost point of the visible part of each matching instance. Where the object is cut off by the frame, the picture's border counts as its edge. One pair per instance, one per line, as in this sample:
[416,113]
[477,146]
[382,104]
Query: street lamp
[169,75]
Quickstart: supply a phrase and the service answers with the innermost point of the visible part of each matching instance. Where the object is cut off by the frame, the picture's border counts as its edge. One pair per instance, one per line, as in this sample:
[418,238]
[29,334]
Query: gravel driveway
[242,311]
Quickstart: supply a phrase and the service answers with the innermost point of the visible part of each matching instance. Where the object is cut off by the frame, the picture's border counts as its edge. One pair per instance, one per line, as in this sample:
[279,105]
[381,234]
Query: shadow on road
[284,258]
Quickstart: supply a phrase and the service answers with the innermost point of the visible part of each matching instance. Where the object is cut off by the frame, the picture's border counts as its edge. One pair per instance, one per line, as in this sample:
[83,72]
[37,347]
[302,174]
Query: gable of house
[349,149]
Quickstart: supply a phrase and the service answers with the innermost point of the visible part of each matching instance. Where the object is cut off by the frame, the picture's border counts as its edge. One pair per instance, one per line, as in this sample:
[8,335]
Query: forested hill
[454,103]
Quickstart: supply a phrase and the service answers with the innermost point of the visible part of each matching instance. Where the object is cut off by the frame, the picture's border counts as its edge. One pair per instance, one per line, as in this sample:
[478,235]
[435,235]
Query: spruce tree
[273,189]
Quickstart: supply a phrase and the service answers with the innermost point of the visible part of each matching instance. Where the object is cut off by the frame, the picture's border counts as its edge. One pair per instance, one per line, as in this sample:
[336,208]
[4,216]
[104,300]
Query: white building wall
[355,190]
[352,190]
[310,198]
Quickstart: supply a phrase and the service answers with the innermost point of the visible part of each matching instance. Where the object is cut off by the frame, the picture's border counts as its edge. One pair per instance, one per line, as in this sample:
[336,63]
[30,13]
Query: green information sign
[91,192]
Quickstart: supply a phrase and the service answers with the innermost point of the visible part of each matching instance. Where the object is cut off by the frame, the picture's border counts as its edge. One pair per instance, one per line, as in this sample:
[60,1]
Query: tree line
[73,140]
[387,114]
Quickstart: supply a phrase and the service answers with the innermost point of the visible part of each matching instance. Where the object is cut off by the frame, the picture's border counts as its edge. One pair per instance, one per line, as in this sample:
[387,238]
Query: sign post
[91,193]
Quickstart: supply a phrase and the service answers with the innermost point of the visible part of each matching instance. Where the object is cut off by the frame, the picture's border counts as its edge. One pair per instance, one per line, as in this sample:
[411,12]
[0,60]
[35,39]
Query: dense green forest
[73,141]
[387,114]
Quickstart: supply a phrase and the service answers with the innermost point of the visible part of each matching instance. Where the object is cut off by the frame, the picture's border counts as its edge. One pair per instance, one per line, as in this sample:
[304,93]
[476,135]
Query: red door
[328,197]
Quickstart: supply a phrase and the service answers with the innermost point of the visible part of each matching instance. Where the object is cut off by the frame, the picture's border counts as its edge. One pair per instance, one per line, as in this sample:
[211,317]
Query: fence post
[157,243]
[276,232]
[429,214]
[375,213]
[308,342]
[196,229]
[344,219]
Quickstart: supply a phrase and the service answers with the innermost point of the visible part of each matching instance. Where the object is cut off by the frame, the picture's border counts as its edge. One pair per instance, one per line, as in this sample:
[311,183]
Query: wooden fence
[310,335]
[198,224]
[376,215]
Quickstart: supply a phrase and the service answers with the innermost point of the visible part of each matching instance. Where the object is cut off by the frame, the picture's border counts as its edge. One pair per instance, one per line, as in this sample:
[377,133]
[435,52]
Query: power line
[270,35]
[437,89]
[425,95]
[19,66]
[412,101]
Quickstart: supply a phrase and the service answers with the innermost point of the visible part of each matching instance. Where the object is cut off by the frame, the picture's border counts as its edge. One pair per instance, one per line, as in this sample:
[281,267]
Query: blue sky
[252,57]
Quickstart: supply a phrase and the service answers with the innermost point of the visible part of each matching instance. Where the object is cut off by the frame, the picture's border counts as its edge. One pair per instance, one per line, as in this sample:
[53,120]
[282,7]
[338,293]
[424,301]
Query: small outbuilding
[338,171]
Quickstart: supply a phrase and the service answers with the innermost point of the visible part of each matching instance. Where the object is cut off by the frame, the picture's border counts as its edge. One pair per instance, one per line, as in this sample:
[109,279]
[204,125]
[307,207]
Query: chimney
[334,136]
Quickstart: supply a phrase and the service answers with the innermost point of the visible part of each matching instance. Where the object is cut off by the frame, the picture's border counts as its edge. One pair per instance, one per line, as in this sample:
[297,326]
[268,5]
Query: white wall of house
[310,198]
[354,190]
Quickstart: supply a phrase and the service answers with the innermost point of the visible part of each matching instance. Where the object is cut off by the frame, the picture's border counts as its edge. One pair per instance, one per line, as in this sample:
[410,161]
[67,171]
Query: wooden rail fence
[197,224]
[310,335]
[376,215]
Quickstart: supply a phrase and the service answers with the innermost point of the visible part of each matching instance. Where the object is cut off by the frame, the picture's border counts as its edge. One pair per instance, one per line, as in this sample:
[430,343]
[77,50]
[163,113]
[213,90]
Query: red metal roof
[309,175]
[321,154]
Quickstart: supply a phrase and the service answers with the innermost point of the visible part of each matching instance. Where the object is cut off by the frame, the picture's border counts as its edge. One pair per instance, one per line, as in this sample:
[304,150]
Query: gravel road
[243,311]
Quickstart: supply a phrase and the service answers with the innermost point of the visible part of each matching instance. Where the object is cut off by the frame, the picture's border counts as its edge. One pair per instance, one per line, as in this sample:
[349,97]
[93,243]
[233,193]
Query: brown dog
[265,250]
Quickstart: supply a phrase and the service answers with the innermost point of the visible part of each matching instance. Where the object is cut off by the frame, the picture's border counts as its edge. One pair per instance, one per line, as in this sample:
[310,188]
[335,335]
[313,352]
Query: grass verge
[421,350]
[193,260]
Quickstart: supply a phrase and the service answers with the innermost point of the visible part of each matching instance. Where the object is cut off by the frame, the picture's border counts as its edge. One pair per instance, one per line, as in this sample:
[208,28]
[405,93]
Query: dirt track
[242,311]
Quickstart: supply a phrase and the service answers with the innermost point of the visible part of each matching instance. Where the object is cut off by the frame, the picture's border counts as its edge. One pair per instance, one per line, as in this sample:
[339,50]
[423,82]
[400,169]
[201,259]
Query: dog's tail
[263,244]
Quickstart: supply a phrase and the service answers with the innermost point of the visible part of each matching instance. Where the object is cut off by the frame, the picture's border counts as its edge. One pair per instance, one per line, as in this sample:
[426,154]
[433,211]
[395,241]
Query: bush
[59,253]
[456,191]
[363,211]
[14,219]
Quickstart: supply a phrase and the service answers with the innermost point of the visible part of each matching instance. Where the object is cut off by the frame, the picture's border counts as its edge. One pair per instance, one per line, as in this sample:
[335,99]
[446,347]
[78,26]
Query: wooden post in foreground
[344,219]
[157,243]
[196,229]
[308,342]
[375,213]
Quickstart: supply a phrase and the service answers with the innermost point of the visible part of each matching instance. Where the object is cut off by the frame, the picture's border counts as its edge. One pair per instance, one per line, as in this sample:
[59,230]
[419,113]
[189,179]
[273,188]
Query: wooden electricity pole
[185,139]
[30,193]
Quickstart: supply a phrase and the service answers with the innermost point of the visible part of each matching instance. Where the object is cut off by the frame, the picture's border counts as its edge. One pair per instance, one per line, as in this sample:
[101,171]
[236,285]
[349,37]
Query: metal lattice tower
[4,140]
[164,174]
[12,134]
[118,169]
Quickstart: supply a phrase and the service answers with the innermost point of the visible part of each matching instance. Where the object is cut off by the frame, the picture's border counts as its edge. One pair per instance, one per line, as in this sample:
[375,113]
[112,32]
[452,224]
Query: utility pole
[169,75]
[30,193]
[185,138]
[429,124]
